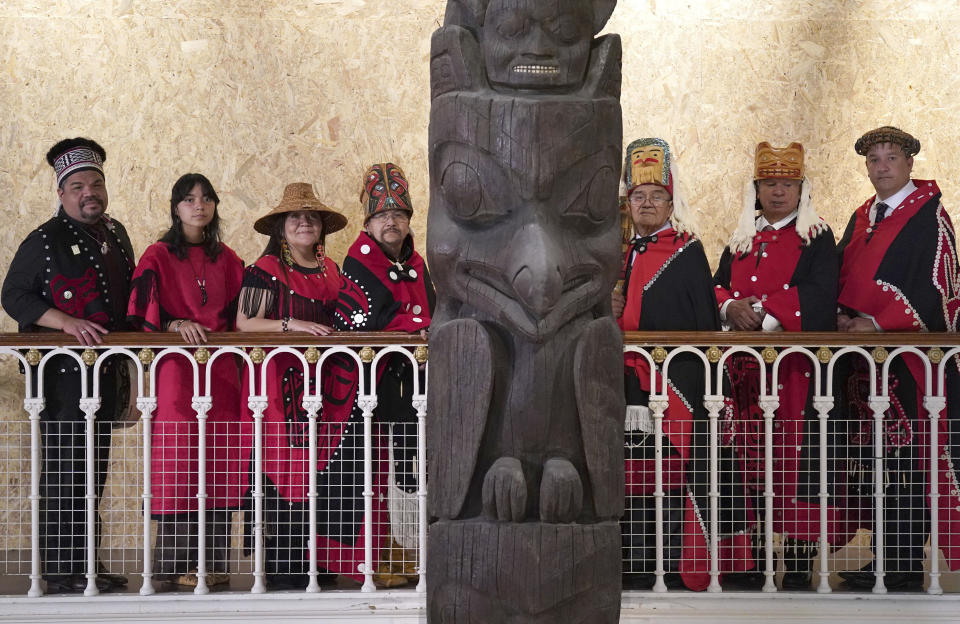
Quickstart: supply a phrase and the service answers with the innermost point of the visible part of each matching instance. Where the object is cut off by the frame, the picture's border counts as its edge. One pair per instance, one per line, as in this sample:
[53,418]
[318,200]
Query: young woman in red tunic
[188,283]
[292,287]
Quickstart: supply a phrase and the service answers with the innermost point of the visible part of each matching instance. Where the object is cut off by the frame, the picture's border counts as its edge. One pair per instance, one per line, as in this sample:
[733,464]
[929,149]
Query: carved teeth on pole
[536,69]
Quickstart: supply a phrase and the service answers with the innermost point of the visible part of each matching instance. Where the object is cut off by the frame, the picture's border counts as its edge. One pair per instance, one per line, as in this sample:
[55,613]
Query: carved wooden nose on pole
[525,446]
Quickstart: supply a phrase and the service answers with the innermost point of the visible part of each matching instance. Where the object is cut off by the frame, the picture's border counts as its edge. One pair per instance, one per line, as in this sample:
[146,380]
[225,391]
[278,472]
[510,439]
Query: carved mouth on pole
[536,69]
[580,286]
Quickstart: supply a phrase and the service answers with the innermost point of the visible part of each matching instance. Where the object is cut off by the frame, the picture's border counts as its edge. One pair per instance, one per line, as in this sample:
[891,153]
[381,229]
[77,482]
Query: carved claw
[561,492]
[505,490]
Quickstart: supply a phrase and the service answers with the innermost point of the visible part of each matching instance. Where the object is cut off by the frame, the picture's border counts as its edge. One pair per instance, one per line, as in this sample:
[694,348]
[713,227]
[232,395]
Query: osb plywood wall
[260,93]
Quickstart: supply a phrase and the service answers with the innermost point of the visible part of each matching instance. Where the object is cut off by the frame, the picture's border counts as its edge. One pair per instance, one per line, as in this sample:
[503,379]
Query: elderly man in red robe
[667,287]
[898,272]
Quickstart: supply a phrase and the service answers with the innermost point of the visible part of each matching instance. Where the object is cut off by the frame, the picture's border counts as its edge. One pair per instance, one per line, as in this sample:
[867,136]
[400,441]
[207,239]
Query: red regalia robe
[312,296]
[165,288]
[903,273]
[796,283]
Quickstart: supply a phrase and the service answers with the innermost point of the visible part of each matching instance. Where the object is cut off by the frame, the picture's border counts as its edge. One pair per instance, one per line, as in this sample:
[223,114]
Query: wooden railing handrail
[664,339]
[804,339]
[243,339]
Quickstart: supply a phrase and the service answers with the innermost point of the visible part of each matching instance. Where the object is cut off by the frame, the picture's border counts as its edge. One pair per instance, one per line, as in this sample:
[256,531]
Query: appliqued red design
[71,295]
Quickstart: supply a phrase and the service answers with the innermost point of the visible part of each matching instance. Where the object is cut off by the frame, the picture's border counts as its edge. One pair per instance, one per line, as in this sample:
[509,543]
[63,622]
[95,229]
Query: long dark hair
[276,235]
[174,238]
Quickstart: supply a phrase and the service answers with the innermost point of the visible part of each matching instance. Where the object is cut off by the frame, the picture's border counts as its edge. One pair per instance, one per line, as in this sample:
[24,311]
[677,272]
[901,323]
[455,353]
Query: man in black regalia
[72,274]
[667,287]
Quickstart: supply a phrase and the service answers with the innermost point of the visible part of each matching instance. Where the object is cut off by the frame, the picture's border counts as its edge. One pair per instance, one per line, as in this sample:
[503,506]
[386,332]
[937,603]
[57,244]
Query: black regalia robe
[61,265]
[379,293]
[668,287]
[903,273]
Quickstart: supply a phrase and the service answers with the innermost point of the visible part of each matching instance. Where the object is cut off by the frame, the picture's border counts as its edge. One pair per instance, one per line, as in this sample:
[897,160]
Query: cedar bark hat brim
[297,197]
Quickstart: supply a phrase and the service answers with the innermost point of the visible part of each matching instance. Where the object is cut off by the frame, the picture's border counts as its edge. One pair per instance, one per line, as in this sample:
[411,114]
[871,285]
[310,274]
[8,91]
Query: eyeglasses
[638,199]
[393,215]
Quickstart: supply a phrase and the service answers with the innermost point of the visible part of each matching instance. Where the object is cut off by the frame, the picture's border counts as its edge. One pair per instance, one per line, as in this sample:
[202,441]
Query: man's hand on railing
[618,302]
[86,332]
[858,324]
[741,316]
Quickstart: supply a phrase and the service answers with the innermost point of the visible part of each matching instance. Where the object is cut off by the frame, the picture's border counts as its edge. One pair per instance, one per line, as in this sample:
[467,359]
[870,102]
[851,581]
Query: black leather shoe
[71,583]
[893,581]
[796,580]
[115,580]
[745,581]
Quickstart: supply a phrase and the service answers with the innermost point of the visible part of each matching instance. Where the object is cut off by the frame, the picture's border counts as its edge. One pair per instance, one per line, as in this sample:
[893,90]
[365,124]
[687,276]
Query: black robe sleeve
[22,287]
[816,278]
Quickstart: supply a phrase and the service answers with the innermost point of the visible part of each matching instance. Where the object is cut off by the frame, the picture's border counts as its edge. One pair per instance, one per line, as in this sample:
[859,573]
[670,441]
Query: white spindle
[714,403]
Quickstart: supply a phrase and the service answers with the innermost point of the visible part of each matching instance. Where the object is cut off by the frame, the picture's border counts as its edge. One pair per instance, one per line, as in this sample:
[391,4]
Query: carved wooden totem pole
[525,432]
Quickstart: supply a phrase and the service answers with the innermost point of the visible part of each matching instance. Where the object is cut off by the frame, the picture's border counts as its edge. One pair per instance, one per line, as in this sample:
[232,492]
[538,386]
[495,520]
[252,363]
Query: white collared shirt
[894,201]
[762,221]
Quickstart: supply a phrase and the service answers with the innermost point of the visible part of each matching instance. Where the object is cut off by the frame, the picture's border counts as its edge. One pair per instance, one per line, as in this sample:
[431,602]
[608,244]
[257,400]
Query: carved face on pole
[532,44]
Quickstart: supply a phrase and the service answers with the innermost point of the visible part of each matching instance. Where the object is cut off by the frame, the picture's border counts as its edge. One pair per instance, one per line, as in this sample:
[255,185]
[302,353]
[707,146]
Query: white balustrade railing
[34,353]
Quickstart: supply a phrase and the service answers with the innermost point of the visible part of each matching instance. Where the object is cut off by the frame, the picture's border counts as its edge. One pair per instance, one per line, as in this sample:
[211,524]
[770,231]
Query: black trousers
[63,480]
[175,551]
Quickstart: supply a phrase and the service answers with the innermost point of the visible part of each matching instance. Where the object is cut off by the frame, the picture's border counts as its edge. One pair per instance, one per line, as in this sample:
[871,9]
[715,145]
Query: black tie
[639,246]
[882,209]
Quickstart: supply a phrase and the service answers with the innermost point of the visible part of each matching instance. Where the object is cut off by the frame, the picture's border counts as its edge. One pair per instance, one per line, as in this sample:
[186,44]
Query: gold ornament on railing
[879,355]
[713,355]
[312,355]
[366,355]
[89,357]
[33,357]
[824,354]
[257,355]
[769,355]
[146,356]
[420,354]
[935,355]
[659,354]
[201,355]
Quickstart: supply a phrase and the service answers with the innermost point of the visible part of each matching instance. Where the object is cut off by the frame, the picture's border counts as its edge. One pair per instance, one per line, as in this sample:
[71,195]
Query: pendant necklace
[104,247]
[201,278]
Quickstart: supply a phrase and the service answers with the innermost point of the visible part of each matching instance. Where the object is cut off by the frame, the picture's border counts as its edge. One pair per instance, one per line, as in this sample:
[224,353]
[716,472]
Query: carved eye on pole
[465,196]
[597,203]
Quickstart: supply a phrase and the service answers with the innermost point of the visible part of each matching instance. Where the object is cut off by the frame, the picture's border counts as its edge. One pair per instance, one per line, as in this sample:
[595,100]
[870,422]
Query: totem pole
[525,406]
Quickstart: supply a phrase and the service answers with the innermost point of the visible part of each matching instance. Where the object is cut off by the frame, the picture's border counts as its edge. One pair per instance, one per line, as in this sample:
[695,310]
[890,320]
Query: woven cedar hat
[300,196]
[887,134]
